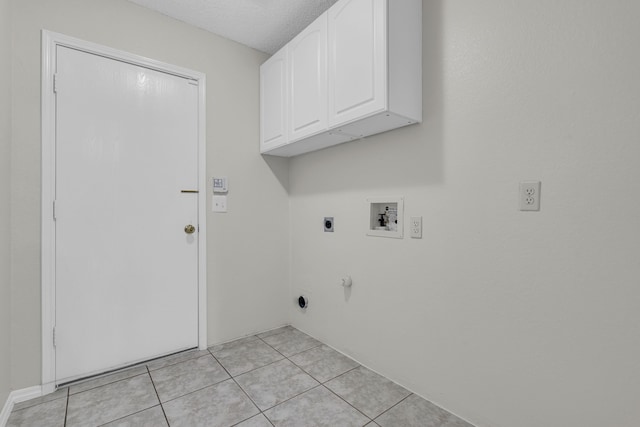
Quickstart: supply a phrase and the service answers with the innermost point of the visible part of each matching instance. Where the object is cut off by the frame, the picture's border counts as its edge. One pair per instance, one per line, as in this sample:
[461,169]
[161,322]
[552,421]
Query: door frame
[50,40]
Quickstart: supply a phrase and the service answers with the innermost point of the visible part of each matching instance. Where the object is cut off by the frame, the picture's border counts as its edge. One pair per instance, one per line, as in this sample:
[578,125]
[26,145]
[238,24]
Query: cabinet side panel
[405,58]
[272,102]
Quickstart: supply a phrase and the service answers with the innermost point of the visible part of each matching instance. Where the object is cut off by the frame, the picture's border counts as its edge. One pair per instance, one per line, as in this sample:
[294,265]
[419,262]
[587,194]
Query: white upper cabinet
[273,102]
[307,62]
[357,59]
[354,72]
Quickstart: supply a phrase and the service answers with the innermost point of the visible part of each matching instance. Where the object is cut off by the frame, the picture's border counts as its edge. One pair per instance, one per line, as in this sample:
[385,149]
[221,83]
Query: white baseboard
[18,396]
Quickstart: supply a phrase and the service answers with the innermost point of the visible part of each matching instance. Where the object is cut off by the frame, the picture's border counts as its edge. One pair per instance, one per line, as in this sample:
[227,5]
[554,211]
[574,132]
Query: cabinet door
[307,58]
[357,57]
[273,97]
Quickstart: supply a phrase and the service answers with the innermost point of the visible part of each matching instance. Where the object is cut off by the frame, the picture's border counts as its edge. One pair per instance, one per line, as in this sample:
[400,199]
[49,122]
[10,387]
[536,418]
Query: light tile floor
[279,378]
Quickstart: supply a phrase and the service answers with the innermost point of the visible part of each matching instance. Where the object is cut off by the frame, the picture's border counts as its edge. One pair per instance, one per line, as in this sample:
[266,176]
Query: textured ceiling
[266,25]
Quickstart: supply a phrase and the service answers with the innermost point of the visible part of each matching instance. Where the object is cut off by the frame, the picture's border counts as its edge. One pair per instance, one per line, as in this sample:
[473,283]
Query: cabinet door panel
[273,96]
[357,59]
[307,57]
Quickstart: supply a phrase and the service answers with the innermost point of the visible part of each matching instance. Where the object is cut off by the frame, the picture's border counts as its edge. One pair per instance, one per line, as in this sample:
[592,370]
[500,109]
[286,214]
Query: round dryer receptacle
[303,302]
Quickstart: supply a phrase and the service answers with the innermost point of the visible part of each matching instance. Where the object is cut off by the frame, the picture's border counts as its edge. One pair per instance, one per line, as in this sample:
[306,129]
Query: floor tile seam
[40,403]
[241,389]
[306,349]
[393,406]
[231,342]
[255,369]
[245,338]
[193,391]
[332,378]
[260,367]
[252,416]
[269,364]
[410,392]
[108,373]
[337,376]
[245,392]
[302,351]
[314,361]
[134,413]
[271,346]
[305,371]
[113,382]
[157,396]
[176,363]
[66,407]
[239,352]
[348,403]
[278,333]
[291,398]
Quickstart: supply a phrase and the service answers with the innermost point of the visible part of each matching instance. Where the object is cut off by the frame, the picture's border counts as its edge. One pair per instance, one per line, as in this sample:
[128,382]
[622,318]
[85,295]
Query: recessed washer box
[386,217]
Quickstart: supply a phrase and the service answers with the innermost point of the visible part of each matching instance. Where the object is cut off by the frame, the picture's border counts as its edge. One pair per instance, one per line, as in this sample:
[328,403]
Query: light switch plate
[220,204]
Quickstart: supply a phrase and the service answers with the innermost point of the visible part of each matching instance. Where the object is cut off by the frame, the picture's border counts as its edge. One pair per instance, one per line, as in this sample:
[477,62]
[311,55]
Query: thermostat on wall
[220,185]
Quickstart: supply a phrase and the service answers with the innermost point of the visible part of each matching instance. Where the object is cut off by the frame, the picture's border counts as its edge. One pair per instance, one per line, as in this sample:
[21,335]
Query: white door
[307,58]
[273,97]
[357,59]
[126,270]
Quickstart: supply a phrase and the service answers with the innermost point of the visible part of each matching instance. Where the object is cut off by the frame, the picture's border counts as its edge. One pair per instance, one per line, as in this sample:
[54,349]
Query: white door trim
[49,42]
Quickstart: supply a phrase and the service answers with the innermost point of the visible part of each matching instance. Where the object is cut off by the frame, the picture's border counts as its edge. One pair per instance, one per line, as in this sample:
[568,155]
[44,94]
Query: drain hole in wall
[303,302]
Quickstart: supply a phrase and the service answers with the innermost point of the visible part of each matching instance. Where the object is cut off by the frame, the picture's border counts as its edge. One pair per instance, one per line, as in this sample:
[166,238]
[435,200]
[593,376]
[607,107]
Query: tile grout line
[106,384]
[129,415]
[176,363]
[66,407]
[341,398]
[287,357]
[374,418]
[337,376]
[37,404]
[194,391]
[157,395]
[320,384]
[269,364]
[291,398]
[260,412]
[387,410]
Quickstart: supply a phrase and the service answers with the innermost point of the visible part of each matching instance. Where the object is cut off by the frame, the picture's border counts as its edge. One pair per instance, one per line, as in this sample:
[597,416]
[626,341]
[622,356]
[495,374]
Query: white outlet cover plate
[529,195]
[220,204]
[415,227]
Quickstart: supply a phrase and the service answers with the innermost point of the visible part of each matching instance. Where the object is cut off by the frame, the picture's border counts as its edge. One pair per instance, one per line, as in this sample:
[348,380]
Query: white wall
[247,247]
[5,192]
[506,318]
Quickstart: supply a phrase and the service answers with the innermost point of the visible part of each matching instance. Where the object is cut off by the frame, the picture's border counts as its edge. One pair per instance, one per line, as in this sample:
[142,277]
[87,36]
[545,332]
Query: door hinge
[54,336]
[54,210]
[55,83]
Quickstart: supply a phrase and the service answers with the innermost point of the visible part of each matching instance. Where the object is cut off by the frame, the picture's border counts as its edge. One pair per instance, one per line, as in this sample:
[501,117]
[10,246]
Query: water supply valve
[347,282]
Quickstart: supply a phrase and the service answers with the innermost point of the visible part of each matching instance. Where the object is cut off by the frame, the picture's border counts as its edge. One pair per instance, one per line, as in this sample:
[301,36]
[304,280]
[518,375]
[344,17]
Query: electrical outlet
[415,225]
[328,224]
[529,195]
